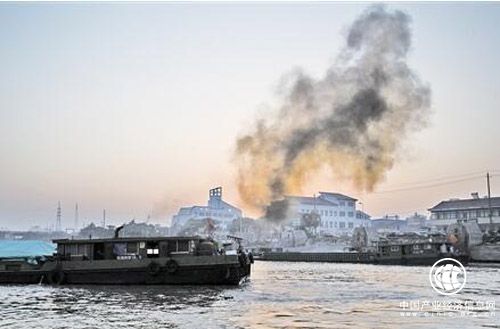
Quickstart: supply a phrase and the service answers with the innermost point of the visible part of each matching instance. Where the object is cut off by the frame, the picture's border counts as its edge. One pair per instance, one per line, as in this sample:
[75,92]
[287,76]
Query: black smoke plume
[351,121]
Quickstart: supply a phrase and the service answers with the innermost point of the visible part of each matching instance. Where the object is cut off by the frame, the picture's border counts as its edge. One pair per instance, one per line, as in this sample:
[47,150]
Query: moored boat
[121,260]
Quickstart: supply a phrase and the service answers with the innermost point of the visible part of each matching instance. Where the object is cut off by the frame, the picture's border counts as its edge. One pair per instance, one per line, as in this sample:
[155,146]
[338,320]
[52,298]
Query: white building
[337,212]
[216,209]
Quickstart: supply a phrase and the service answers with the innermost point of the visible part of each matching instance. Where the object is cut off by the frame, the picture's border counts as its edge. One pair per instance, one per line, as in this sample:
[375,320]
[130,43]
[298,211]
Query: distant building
[389,224]
[416,223]
[476,208]
[337,212]
[216,209]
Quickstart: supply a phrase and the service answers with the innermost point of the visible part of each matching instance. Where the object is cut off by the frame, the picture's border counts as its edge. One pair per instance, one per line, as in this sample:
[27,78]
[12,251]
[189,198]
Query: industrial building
[216,209]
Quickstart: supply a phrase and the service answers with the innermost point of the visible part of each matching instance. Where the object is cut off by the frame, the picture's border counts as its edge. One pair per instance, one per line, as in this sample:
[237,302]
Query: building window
[342,214]
[351,225]
[342,203]
[342,224]
[350,214]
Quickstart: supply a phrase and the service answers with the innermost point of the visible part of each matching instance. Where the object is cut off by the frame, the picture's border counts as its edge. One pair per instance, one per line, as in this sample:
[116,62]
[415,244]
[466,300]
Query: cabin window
[394,248]
[13,267]
[98,251]
[428,246]
[179,246]
[152,249]
[183,246]
[132,247]
[83,250]
[71,249]
[416,247]
[120,249]
[171,246]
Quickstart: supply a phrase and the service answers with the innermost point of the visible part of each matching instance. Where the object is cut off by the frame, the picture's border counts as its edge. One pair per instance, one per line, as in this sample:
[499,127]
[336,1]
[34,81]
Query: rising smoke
[351,121]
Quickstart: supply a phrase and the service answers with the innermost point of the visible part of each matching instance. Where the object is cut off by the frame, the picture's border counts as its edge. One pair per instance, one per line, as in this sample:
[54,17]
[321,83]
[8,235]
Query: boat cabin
[417,248]
[132,248]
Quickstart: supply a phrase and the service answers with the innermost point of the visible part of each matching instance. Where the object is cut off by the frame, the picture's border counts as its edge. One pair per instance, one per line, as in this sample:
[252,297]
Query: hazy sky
[136,107]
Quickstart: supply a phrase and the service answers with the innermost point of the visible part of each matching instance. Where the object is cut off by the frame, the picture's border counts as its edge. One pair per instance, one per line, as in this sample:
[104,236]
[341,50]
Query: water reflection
[161,298]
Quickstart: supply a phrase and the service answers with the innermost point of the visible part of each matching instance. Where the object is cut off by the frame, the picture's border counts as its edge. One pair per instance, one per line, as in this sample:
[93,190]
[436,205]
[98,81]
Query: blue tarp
[25,248]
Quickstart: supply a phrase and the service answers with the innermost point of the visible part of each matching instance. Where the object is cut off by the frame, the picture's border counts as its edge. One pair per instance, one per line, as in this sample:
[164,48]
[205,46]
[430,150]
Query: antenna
[58,217]
[76,216]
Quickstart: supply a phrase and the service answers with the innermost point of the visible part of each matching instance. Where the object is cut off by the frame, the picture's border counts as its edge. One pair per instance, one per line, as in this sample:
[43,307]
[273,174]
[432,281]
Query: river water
[279,295]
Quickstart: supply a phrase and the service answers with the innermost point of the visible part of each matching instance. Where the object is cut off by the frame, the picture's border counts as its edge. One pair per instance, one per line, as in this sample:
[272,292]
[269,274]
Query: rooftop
[339,196]
[310,200]
[126,239]
[466,204]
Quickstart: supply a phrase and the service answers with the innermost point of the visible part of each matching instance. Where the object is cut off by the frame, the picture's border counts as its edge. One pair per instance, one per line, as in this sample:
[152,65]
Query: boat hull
[204,271]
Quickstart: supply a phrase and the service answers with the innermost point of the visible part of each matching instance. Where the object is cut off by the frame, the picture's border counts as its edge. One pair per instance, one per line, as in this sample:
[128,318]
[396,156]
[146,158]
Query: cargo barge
[423,252]
[127,261]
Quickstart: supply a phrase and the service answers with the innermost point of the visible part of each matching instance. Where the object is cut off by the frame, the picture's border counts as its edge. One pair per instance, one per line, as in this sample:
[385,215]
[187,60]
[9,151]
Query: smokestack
[351,121]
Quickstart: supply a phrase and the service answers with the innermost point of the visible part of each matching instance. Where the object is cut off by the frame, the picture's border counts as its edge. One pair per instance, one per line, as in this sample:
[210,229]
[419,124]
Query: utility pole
[104,218]
[58,217]
[489,200]
[76,217]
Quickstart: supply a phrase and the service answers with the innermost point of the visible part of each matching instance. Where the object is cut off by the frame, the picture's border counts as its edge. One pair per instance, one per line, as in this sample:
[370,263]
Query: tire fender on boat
[172,266]
[153,268]
[228,273]
[56,277]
